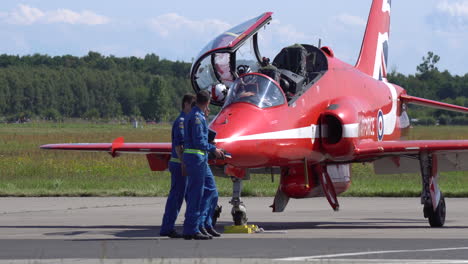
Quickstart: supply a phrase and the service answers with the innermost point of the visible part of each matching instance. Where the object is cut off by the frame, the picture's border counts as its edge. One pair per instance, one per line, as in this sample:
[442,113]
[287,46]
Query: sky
[178,30]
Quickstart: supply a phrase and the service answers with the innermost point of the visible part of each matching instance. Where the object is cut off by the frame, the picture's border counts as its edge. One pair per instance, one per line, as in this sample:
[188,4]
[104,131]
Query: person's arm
[179,138]
[200,141]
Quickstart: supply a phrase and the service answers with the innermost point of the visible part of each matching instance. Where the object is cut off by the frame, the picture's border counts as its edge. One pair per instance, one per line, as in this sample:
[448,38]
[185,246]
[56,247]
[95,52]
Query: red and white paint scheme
[308,116]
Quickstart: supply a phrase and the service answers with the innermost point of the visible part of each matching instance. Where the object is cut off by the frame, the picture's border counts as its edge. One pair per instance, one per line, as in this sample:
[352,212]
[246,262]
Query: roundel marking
[380,125]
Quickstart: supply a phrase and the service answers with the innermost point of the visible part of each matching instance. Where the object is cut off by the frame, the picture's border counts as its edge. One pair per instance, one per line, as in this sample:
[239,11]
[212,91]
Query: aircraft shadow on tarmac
[147,231]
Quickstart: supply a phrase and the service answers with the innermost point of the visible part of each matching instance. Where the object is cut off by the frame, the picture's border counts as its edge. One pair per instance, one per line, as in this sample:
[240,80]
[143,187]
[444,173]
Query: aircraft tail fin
[374,50]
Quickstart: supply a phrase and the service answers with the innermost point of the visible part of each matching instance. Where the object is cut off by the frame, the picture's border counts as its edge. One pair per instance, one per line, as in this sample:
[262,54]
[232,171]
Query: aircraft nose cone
[259,138]
[236,127]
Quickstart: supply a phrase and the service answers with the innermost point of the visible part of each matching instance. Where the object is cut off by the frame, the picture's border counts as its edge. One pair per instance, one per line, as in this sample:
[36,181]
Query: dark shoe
[197,236]
[204,232]
[213,232]
[172,234]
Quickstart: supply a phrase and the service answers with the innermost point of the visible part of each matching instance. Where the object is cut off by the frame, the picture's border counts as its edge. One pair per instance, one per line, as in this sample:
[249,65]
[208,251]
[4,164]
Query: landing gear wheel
[239,214]
[239,217]
[437,217]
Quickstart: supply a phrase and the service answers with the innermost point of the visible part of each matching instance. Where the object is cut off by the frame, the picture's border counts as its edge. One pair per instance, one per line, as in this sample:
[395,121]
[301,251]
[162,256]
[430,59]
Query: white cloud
[350,20]
[24,15]
[449,16]
[27,15]
[70,17]
[174,24]
[286,32]
[458,9]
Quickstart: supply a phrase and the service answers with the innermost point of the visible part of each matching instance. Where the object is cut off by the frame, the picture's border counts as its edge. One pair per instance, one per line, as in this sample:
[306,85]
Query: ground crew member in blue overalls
[201,188]
[178,180]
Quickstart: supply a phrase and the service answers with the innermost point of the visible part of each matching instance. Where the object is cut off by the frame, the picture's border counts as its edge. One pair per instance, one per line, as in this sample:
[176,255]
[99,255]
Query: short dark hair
[203,97]
[188,98]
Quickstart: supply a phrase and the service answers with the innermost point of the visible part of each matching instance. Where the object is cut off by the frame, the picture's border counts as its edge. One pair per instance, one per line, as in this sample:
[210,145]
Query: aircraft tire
[437,217]
[239,217]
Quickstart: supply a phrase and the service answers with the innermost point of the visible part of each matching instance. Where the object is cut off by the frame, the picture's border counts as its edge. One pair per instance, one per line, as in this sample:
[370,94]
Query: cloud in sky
[287,32]
[278,35]
[173,24]
[350,20]
[449,16]
[456,9]
[27,15]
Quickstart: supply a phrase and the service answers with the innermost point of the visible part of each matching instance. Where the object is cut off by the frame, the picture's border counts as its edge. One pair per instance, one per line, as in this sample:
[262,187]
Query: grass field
[26,170]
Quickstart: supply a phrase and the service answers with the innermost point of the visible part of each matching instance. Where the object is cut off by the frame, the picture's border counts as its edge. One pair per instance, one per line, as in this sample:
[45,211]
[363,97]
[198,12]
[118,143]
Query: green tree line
[92,86]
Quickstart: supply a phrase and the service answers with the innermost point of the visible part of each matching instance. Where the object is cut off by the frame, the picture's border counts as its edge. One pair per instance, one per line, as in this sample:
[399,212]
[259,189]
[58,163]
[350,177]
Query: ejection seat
[292,58]
[291,62]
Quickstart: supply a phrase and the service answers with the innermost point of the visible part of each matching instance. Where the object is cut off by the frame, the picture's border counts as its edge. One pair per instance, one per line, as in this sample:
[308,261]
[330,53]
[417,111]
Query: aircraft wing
[433,104]
[158,154]
[402,156]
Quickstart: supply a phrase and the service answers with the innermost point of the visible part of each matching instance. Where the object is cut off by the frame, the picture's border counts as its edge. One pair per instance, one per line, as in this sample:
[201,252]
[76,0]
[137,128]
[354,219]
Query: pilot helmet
[218,92]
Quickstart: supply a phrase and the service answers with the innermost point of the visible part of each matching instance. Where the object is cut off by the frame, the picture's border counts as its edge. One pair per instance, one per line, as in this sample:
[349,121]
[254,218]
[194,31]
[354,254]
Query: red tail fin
[374,49]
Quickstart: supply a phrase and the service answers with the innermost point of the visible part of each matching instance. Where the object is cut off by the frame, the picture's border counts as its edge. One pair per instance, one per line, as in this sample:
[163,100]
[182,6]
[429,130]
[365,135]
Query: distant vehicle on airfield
[308,116]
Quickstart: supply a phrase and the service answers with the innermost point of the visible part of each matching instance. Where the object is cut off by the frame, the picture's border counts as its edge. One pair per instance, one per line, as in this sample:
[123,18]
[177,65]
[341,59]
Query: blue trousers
[209,201]
[174,199]
[201,196]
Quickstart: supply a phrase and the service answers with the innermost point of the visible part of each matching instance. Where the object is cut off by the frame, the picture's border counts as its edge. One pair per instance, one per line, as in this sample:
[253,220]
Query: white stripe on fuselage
[310,132]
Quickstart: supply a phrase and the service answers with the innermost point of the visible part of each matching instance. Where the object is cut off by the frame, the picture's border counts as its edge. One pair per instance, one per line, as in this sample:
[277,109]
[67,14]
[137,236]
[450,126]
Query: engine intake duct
[339,128]
[332,129]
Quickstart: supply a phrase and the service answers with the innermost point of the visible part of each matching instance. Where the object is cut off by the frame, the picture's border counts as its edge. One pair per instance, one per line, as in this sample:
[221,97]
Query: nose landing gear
[238,211]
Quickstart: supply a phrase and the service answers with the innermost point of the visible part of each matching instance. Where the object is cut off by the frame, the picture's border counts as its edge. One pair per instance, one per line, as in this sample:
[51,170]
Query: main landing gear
[431,196]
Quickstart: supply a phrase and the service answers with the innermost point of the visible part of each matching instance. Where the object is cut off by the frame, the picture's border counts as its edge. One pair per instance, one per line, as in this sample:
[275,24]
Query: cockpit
[256,89]
[232,69]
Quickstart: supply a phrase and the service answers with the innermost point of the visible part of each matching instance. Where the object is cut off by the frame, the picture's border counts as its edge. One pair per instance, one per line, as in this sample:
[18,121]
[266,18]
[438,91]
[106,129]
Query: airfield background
[95,98]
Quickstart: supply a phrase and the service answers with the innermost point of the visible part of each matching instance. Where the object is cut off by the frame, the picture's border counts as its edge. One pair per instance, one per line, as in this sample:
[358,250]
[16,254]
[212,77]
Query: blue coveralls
[202,195]
[178,181]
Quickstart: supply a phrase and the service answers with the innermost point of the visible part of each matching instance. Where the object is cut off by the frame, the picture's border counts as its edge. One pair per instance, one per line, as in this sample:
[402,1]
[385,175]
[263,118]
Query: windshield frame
[259,105]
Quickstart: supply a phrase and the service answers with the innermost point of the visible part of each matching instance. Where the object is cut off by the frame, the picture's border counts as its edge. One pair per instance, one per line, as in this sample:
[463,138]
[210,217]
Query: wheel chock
[241,229]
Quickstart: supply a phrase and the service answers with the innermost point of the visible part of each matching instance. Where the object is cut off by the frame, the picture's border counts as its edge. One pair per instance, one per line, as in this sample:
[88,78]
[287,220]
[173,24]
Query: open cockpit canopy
[215,67]
[235,53]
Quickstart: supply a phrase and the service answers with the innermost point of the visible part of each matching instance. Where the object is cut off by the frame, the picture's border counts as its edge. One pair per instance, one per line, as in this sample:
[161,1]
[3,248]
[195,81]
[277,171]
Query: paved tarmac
[125,230]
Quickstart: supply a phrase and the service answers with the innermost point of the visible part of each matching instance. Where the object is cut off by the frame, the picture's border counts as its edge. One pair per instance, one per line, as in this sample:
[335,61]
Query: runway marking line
[388,261]
[218,260]
[368,253]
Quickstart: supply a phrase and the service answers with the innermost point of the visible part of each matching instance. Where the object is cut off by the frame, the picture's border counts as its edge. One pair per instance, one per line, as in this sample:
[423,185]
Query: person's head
[187,102]
[203,101]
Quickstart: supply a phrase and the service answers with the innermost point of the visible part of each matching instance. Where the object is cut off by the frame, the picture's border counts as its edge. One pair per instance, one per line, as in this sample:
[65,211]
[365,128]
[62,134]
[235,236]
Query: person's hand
[246,94]
[219,153]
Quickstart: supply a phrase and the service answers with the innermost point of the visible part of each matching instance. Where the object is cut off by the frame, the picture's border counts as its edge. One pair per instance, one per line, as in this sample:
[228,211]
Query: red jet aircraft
[308,116]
